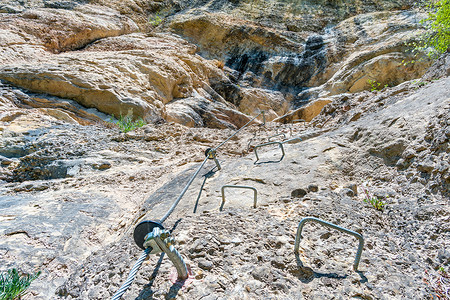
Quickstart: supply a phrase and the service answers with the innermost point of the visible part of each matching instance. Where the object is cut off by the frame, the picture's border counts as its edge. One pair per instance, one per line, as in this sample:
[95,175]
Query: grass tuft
[376,202]
[126,123]
[13,285]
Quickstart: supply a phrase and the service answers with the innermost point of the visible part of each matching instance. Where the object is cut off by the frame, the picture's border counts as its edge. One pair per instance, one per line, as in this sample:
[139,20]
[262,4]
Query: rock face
[73,187]
[135,74]
[342,58]
[138,81]
[235,252]
[58,30]
[89,53]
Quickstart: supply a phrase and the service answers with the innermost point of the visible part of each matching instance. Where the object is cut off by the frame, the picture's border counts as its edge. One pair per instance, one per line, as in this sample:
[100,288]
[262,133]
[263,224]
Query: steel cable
[221,144]
[143,256]
[174,205]
[132,275]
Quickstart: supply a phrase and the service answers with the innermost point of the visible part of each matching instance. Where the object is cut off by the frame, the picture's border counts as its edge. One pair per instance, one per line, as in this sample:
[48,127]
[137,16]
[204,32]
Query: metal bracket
[255,193]
[266,144]
[312,219]
[210,153]
[275,135]
[162,241]
[299,120]
[264,118]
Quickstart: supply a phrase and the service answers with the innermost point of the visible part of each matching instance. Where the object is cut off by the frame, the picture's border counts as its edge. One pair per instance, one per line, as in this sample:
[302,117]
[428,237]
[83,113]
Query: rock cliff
[73,187]
[240,55]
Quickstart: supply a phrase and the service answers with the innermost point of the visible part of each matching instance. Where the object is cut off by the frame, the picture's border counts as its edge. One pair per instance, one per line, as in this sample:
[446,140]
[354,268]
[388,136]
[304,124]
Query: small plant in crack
[439,283]
[155,20]
[376,86]
[126,123]
[377,203]
[14,285]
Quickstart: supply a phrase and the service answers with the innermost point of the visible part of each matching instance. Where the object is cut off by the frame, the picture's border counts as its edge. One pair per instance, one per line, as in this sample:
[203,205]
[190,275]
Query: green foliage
[436,39]
[438,22]
[419,83]
[155,20]
[13,286]
[375,86]
[126,123]
[377,203]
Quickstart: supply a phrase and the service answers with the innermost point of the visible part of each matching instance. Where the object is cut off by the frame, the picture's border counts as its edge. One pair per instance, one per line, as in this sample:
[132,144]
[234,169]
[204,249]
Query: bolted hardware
[292,141]
[266,144]
[299,120]
[276,135]
[210,153]
[150,239]
[255,193]
[142,230]
[160,240]
[264,118]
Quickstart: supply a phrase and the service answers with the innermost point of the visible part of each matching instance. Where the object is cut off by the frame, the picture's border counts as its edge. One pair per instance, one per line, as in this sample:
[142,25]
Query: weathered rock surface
[365,47]
[86,249]
[127,75]
[279,68]
[58,30]
[72,187]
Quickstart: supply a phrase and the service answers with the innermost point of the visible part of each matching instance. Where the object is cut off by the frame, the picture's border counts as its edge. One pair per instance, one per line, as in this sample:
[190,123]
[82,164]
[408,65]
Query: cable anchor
[161,240]
[210,153]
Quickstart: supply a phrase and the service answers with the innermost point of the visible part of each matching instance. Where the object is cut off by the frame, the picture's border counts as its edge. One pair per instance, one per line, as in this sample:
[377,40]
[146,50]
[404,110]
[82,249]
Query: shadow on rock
[306,274]
[363,277]
[147,292]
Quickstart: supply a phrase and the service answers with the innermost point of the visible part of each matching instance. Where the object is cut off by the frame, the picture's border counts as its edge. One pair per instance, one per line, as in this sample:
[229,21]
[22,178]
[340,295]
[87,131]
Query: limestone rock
[439,69]
[199,112]
[306,113]
[255,100]
[361,48]
[61,30]
[132,74]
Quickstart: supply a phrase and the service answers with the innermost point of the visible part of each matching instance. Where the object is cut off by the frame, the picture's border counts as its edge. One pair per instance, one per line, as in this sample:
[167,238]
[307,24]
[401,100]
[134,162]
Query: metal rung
[312,219]
[299,120]
[163,242]
[267,144]
[275,135]
[255,193]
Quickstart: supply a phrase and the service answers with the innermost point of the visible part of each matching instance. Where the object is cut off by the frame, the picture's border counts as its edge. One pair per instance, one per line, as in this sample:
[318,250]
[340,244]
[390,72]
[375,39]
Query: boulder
[200,112]
[307,112]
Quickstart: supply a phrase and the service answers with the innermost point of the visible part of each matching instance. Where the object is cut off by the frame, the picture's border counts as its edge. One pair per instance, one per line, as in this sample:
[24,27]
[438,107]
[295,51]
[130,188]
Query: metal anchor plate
[142,230]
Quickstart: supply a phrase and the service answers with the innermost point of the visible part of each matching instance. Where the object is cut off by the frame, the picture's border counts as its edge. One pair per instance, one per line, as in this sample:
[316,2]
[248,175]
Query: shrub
[436,39]
[438,25]
[13,286]
[155,20]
